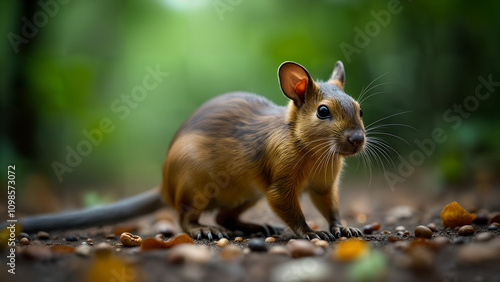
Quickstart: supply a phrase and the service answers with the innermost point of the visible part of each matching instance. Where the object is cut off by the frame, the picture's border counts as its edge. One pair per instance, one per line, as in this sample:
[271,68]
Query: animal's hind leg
[229,218]
[189,220]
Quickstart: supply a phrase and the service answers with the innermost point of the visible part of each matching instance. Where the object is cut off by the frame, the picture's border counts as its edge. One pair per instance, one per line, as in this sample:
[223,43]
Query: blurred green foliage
[89,53]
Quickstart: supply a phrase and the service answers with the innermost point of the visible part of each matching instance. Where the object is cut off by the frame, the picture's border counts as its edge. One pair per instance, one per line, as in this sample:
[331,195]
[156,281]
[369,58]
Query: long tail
[138,205]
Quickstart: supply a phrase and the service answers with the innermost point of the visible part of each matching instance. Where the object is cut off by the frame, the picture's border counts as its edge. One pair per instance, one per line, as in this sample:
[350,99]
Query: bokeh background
[62,72]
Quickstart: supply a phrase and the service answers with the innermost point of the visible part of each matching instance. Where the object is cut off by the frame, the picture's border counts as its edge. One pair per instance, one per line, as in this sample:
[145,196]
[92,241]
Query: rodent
[239,147]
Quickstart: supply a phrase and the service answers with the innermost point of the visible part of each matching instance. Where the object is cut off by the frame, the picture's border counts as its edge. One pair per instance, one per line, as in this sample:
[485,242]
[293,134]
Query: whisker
[333,152]
[365,89]
[380,147]
[384,118]
[390,124]
[312,149]
[366,164]
[392,135]
[383,142]
[319,161]
[371,95]
[375,156]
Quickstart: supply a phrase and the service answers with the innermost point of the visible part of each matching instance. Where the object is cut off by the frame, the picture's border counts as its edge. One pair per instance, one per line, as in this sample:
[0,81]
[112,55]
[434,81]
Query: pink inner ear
[300,87]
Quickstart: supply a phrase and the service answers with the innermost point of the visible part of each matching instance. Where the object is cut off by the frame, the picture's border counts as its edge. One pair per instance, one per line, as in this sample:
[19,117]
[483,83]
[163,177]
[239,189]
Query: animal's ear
[294,81]
[338,75]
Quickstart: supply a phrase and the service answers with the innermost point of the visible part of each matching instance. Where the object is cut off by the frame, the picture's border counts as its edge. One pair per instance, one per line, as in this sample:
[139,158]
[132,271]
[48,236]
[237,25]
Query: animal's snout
[356,137]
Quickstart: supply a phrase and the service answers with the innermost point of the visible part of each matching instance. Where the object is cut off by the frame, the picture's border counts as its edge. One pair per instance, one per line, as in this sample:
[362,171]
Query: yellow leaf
[454,215]
[350,249]
[110,268]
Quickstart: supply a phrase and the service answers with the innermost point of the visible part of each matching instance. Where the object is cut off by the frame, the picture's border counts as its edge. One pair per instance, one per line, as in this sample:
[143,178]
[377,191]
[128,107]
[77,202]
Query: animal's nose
[356,138]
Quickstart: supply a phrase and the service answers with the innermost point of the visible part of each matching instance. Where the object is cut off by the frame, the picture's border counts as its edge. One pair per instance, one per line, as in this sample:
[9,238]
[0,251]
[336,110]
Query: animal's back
[222,146]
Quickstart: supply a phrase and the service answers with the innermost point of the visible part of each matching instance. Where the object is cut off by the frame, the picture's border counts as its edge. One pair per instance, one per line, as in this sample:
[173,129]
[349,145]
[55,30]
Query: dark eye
[323,112]
[360,112]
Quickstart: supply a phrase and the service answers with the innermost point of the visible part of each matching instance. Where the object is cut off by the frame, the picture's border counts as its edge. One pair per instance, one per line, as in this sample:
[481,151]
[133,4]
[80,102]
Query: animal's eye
[323,112]
[360,113]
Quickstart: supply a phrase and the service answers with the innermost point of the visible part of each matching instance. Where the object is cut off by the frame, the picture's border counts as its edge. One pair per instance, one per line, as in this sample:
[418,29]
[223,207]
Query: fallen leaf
[152,243]
[349,250]
[454,215]
[112,269]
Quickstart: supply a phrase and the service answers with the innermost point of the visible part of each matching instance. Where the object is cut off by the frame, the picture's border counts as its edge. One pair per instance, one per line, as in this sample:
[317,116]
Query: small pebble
[188,253]
[55,237]
[246,251]
[38,252]
[24,241]
[83,250]
[301,248]
[466,230]
[42,235]
[303,269]
[319,251]
[401,245]
[368,229]
[422,258]
[495,219]
[484,236]
[423,232]
[270,240]
[280,250]
[231,252]
[222,242]
[400,228]
[493,227]
[110,236]
[257,245]
[164,227]
[23,235]
[160,237]
[460,240]
[387,232]
[440,241]
[103,250]
[481,219]
[478,253]
[393,239]
[238,239]
[314,240]
[321,243]
[433,227]
[71,238]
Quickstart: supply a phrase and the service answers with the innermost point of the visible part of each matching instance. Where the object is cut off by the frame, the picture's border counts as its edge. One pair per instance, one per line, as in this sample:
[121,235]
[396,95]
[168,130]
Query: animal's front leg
[285,203]
[326,201]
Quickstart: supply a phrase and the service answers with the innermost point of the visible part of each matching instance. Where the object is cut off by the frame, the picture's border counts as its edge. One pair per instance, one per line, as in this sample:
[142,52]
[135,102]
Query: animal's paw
[209,232]
[323,235]
[341,231]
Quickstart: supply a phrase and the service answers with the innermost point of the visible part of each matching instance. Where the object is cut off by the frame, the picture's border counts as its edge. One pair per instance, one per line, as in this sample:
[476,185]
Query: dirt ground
[391,253]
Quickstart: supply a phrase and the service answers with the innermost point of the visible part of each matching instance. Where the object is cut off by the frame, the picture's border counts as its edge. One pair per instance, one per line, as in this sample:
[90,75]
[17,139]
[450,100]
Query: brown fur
[239,147]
